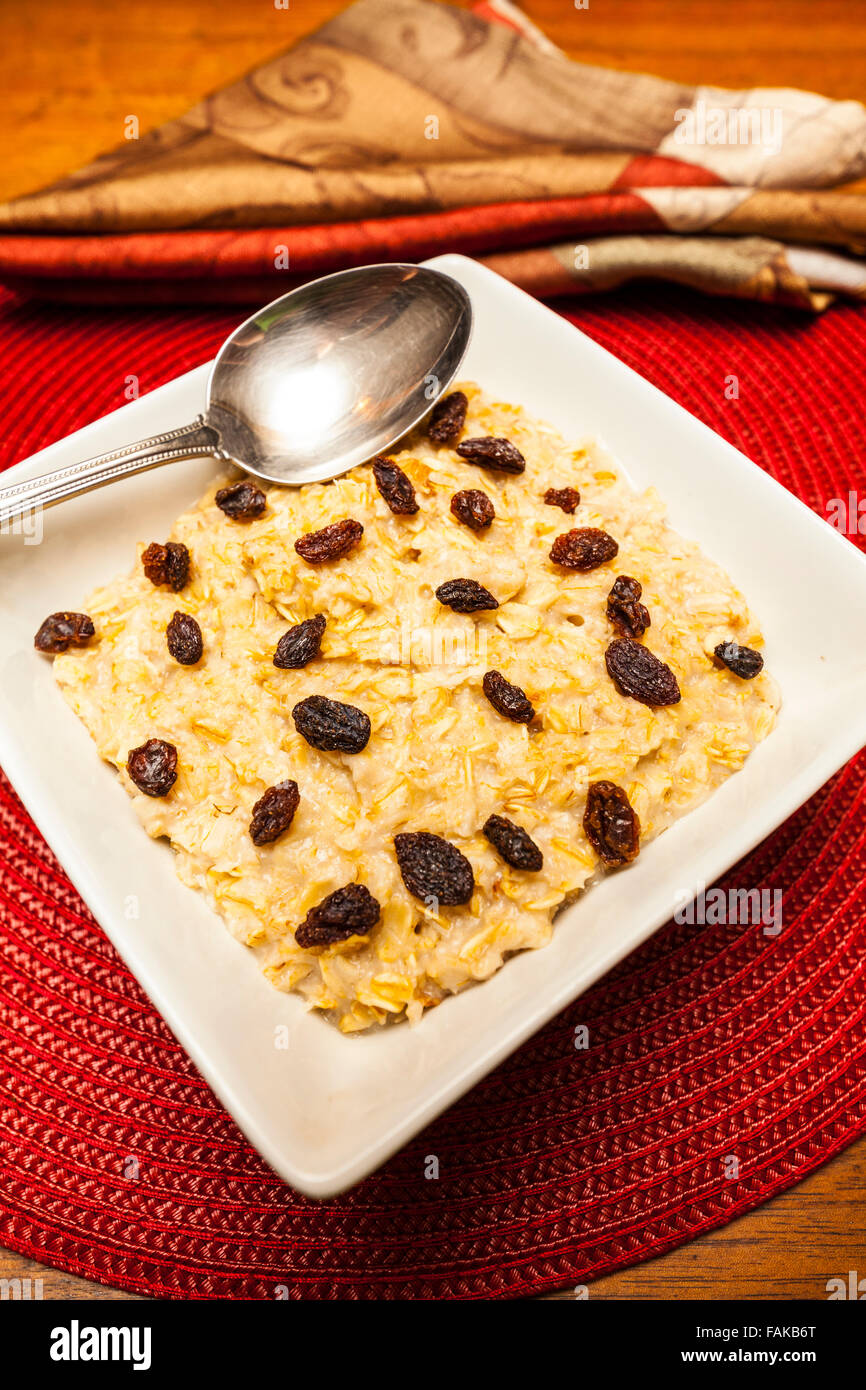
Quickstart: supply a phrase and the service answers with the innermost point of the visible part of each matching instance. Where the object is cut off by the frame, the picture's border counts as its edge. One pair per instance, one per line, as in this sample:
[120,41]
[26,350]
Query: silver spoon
[308,387]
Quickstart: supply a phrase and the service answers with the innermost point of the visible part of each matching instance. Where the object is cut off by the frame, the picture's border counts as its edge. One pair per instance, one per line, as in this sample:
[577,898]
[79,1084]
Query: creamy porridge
[429,745]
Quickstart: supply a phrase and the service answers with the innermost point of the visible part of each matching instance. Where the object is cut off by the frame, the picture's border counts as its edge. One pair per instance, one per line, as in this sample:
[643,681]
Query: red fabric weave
[561,1165]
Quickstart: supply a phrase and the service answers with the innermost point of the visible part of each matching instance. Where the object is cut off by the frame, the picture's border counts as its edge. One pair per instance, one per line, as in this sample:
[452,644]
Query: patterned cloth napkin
[404,128]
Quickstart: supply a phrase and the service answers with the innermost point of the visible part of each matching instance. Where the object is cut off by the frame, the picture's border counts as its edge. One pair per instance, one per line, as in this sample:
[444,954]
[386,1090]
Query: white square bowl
[326,1109]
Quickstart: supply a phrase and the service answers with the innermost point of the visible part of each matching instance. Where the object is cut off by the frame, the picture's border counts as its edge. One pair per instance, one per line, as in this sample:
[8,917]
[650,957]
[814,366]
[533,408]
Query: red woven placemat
[117,1162]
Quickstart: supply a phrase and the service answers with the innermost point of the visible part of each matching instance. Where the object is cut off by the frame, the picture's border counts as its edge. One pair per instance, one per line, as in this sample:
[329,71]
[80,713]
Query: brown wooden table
[71,74]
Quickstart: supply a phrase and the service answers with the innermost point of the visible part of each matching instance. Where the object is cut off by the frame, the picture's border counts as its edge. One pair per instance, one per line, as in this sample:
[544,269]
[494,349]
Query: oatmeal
[391,724]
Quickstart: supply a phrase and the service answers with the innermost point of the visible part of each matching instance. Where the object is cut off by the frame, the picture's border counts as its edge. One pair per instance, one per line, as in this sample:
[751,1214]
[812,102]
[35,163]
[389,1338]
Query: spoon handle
[20,499]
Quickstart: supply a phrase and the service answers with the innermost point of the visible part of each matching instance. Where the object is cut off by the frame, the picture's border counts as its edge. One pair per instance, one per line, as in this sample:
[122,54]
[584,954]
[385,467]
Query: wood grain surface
[71,73]
[73,70]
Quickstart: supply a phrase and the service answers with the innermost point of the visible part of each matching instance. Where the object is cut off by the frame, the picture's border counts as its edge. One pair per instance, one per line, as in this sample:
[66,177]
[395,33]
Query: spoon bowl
[337,371]
[320,380]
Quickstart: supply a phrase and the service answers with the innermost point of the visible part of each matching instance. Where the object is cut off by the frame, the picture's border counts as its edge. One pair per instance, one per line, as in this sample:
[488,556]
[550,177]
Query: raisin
[506,698]
[241,501]
[166,564]
[635,671]
[514,844]
[63,630]
[473,508]
[153,767]
[350,911]
[465,596]
[330,543]
[568,498]
[274,812]
[583,549]
[330,725]
[630,618]
[183,636]
[395,487]
[611,824]
[490,452]
[298,646]
[447,418]
[745,662]
[433,868]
